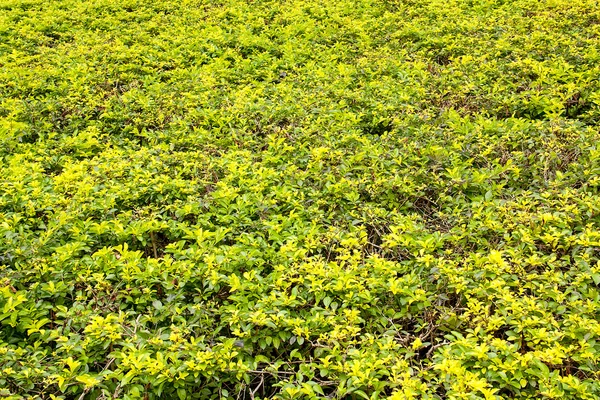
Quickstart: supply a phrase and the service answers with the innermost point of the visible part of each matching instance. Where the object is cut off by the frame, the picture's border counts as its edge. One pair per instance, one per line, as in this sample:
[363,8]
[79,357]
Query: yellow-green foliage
[299,199]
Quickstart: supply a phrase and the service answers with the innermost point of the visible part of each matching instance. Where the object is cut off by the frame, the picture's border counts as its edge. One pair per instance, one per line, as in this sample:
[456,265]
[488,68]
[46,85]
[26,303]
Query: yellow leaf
[88,380]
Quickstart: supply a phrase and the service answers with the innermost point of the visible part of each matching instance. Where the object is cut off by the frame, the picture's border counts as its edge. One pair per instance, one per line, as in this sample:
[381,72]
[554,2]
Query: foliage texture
[299,199]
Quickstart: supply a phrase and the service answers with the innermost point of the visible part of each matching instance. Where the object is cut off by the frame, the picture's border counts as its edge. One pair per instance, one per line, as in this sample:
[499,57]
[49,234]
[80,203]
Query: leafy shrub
[299,199]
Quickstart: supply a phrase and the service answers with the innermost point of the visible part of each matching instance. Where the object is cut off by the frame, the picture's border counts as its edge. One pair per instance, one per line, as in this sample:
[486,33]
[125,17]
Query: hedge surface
[299,199]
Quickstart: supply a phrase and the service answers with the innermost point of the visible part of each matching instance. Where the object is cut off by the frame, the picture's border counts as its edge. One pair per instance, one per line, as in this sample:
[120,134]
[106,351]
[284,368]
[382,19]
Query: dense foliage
[300,199]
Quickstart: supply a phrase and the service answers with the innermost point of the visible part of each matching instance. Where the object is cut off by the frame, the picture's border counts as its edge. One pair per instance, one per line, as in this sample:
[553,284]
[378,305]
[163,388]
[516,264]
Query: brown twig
[153,240]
